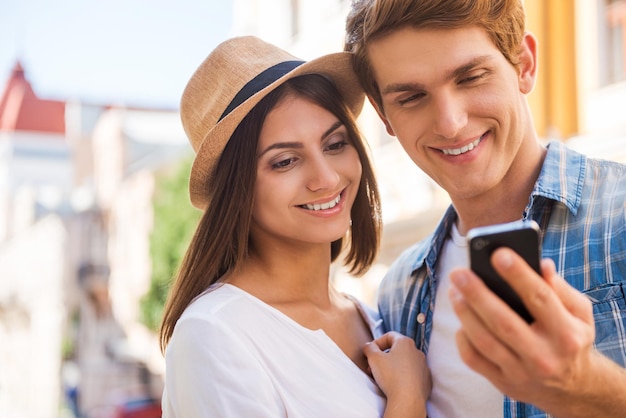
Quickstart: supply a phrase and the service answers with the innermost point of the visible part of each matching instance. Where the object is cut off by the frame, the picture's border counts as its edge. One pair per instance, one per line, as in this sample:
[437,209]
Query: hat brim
[336,66]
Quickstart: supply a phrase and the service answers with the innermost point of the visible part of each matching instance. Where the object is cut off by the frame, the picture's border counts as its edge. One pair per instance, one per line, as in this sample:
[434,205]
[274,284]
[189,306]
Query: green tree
[175,220]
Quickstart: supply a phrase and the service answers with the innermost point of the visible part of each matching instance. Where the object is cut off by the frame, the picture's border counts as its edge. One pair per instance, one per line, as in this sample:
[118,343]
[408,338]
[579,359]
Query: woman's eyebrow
[281,145]
[294,144]
[332,129]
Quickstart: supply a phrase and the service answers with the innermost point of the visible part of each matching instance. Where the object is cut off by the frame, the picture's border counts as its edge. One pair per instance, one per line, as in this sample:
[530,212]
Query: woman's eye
[283,163]
[337,146]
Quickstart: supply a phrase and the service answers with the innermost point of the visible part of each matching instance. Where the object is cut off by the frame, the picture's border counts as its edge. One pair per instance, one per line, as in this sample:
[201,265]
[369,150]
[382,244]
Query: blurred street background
[94,209]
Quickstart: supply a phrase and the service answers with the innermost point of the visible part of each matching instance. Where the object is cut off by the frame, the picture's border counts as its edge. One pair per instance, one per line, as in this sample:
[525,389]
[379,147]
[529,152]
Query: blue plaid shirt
[580,204]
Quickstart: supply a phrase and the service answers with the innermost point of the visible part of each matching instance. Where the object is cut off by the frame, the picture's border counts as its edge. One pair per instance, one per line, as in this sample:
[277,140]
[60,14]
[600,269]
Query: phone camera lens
[479,244]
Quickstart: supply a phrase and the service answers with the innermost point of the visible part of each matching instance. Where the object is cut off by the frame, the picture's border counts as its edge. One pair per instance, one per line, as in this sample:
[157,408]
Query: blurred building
[578,98]
[582,73]
[76,182]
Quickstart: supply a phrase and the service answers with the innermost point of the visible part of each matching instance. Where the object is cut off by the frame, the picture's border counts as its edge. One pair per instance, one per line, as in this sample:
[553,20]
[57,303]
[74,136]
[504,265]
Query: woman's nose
[322,175]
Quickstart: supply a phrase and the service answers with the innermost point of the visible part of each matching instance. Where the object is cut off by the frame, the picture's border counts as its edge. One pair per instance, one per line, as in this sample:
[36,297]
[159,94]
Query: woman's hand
[400,371]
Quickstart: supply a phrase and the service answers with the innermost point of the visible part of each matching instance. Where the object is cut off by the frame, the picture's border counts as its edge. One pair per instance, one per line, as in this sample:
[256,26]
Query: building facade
[76,183]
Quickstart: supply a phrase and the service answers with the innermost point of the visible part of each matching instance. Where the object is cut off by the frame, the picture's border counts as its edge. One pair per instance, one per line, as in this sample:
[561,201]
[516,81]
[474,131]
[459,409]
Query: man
[449,79]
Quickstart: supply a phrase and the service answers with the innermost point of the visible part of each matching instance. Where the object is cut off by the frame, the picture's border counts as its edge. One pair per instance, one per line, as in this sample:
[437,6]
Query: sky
[121,52]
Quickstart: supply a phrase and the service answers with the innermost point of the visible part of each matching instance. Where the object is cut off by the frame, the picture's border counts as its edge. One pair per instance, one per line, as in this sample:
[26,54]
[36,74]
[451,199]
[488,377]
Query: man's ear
[381,115]
[527,66]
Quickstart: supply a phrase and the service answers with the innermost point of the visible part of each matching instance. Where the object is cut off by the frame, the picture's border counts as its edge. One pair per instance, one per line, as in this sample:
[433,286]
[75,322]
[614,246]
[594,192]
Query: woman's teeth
[323,206]
[462,150]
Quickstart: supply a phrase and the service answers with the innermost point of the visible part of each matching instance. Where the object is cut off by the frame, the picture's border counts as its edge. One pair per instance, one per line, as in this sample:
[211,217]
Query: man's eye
[412,98]
[471,78]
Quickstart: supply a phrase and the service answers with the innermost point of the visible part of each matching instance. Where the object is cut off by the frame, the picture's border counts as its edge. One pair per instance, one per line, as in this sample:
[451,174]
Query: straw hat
[231,81]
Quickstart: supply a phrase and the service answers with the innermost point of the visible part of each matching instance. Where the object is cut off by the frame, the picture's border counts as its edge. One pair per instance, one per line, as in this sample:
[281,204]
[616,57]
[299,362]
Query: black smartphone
[523,238]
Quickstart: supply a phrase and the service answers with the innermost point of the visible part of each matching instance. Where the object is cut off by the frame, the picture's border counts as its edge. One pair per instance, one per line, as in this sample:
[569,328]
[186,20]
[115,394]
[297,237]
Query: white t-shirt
[457,391]
[232,355]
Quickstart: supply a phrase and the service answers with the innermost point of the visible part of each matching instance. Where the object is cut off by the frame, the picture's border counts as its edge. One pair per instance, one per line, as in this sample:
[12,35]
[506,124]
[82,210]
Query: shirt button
[421,318]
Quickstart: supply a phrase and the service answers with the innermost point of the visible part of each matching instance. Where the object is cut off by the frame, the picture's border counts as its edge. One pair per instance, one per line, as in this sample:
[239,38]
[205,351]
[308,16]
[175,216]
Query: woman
[253,326]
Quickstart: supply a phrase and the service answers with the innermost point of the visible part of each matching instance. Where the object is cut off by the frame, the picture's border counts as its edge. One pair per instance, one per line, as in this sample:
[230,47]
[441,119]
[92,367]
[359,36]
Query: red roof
[22,110]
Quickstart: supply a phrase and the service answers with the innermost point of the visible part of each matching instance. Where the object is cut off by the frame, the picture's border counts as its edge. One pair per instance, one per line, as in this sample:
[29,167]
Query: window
[295,18]
[613,41]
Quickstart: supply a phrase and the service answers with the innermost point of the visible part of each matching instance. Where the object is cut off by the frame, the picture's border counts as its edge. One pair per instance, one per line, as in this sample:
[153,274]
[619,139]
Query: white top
[457,391]
[232,355]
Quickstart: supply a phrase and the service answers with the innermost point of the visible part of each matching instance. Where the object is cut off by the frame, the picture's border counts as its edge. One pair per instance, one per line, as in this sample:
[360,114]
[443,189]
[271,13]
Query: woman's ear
[381,115]
[527,63]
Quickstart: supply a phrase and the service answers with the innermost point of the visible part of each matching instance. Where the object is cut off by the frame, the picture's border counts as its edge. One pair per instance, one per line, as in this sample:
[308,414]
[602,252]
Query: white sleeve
[211,372]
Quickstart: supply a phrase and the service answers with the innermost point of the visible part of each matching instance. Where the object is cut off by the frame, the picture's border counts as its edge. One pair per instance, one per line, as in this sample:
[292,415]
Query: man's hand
[550,363]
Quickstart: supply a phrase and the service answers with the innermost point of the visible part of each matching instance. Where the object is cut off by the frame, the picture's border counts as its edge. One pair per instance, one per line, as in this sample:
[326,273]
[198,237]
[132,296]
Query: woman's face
[308,174]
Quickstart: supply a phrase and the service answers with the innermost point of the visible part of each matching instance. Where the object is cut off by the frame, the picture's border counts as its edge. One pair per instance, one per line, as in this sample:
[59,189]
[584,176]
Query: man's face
[456,105]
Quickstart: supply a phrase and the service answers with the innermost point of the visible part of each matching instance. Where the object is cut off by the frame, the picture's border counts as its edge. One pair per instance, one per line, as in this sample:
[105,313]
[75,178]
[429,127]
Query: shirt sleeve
[212,372]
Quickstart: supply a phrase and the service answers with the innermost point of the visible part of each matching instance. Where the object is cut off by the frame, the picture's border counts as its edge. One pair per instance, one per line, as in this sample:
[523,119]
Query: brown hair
[503,20]
[221,241]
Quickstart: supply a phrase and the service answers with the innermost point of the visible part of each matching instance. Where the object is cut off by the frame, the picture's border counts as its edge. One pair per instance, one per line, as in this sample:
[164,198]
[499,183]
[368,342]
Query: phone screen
[523,238]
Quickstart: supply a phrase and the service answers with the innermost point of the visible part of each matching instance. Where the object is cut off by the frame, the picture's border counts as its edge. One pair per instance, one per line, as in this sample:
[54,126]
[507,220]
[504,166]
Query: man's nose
[449,115]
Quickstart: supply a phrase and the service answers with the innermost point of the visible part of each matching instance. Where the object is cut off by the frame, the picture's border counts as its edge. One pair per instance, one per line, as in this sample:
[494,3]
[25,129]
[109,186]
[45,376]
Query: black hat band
[258,83]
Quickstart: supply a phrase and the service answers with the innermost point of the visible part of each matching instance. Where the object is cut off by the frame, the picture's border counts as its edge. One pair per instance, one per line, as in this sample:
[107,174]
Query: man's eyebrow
[401,87]
[295,144]
[457,72]
[475,62]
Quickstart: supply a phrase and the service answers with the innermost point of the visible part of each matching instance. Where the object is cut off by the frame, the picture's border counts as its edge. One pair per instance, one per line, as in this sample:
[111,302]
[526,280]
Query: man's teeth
[322,206]
[462,150]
